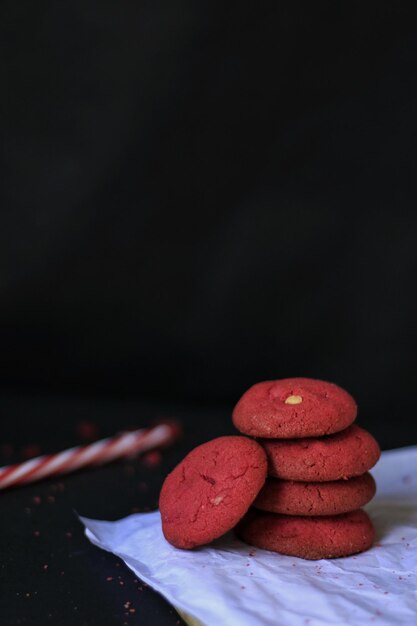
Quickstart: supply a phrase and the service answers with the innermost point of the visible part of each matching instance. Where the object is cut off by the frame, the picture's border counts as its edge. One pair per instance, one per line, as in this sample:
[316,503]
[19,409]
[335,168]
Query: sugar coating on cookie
[315,498]
[343,455]
[312,538]
[211,490]
[294,407]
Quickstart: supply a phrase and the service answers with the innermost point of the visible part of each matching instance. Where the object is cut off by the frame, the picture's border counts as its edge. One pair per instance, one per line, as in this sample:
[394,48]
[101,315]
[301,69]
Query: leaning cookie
[349,453]
[315,498]
[211,490]
[294,407]
[308,537]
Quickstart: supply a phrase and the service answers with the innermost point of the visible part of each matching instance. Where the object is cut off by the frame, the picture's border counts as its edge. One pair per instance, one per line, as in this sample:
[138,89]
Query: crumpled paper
[233,584]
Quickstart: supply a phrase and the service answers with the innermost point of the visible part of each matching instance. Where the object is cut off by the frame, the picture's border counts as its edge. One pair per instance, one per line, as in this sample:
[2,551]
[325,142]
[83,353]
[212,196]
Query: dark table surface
[50,573]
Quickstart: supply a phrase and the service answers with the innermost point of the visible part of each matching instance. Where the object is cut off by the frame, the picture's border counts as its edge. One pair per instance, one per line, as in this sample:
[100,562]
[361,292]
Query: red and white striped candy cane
[98,453]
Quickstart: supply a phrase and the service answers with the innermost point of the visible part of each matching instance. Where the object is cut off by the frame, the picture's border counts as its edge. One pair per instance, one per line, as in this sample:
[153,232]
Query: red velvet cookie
[351,452]
[294,407]
[330,498]
[308,537]
[211,490]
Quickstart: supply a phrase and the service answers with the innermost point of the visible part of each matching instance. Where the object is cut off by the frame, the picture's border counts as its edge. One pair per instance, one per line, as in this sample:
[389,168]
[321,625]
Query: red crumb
[36,500]
[87,430]
[109,578]
[152,459]
[30,451]
[121,583]
[36,533]
[6,450]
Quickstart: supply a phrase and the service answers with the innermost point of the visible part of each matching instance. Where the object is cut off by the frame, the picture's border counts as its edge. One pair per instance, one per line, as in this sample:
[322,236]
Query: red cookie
[211,490]
[294,407]
[308,537]
[343,455]
[330,498]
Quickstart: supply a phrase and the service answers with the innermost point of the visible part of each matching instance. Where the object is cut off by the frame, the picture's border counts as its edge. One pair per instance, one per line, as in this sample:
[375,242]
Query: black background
[195,197]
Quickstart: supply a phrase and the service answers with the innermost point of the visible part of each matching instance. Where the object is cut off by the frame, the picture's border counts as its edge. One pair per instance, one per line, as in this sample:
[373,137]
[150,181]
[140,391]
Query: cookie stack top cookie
[294,407]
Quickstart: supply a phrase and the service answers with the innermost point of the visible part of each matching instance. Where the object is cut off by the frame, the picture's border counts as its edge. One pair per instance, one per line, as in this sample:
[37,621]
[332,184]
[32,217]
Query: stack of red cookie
[318,463]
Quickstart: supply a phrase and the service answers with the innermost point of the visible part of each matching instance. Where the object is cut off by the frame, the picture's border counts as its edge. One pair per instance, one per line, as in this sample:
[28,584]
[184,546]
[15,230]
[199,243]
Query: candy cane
[98,453]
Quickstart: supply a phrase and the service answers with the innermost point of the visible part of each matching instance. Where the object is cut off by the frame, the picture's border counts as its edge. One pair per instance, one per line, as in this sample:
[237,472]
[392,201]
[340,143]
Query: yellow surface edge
[191,621]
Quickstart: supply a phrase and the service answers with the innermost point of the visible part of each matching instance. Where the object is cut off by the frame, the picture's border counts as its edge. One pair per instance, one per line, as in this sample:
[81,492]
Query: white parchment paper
[228,583]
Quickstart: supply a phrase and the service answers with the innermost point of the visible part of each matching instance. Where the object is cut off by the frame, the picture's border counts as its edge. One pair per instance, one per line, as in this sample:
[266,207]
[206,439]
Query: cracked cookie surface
[308,537]
[211,490]
[294,407]
[315,498]
[343,455]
